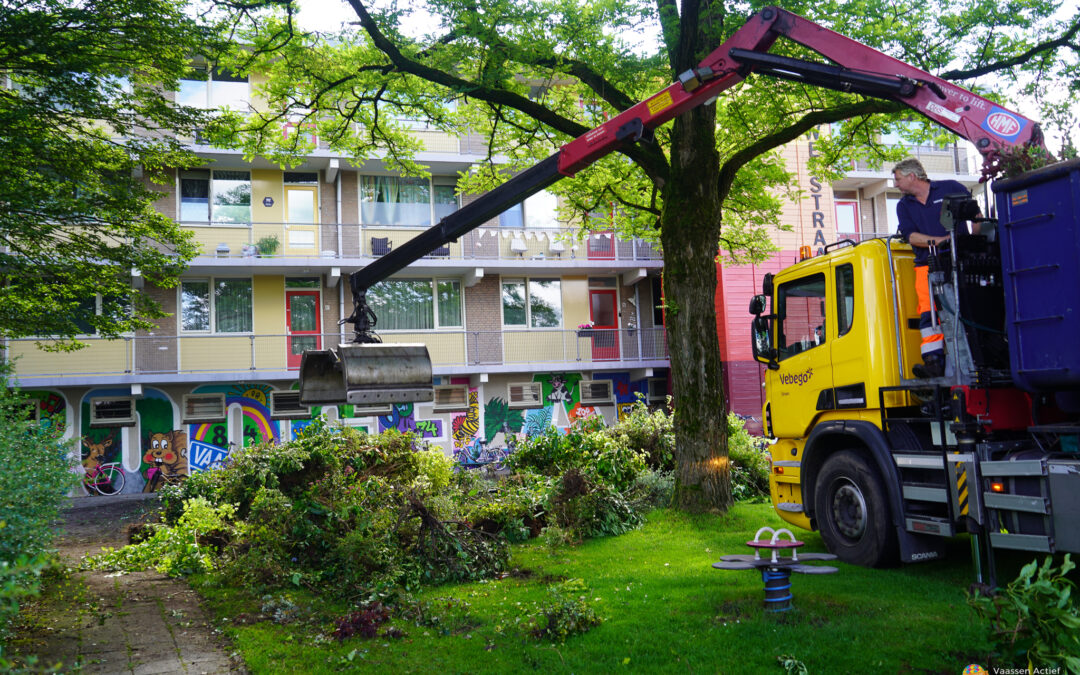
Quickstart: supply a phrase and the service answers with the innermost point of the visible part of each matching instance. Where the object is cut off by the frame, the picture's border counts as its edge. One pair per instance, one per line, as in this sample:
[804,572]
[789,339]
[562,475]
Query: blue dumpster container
[1039,223]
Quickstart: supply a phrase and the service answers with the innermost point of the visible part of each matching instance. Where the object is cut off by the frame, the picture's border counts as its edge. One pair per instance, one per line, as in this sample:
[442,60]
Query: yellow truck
[886,465]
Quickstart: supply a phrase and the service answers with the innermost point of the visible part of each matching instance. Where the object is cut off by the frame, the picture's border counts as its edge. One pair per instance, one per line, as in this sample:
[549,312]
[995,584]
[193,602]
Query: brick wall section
[158,353]
[483,312]
[166,204]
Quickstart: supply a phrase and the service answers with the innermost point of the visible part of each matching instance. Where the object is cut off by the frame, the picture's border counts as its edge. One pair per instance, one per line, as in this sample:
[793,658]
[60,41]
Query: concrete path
[142,623]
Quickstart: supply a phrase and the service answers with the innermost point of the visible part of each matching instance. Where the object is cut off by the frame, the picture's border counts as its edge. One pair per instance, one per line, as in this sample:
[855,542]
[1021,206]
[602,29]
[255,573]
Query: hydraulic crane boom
[367,372]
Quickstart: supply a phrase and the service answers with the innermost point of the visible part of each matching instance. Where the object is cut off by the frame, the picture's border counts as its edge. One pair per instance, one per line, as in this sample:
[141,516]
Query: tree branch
[1064,41]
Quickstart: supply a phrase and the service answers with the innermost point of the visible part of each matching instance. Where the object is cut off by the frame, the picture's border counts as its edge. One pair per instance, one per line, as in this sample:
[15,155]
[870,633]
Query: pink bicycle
[104,479]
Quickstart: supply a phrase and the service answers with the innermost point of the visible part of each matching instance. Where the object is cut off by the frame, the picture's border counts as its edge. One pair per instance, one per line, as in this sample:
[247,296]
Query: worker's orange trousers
[932,338]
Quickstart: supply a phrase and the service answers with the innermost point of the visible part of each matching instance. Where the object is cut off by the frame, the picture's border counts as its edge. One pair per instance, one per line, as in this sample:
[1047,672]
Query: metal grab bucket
[366,374]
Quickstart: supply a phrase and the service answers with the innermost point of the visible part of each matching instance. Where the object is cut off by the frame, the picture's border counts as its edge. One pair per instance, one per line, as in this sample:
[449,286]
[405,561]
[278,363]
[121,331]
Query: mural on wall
[537,420]
[209,442]
[465,429]
[625,392]
[167,458]
[500,418]
[403,418]
[158,418]
[52,408]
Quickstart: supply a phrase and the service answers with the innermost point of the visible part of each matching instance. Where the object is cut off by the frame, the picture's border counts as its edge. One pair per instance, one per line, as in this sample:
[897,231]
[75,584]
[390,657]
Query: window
[393,200]
[89,308]
[451,398]
[847,217]
[536,303]
[658,390]
[538,210]
[215,196]
[203,408]
[801,315]
[524,395]
[845,298]
[112,412]
[444,192]
[216,305]
[416,304]
[218,88]
[890,213]
[657,285]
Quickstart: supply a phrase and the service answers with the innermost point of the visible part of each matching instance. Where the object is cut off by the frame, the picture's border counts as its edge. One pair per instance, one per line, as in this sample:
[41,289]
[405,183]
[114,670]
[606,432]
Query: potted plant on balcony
[267,246]
[585,329]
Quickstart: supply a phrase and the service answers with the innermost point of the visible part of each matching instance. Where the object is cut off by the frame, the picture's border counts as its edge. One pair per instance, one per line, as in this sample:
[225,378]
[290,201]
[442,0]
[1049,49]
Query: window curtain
[403,305]
[449,304]
[232,305]
[390,200]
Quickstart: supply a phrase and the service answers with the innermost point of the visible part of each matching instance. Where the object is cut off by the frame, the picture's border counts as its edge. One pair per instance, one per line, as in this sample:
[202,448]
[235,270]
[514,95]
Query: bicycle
[156,475]
[105,479]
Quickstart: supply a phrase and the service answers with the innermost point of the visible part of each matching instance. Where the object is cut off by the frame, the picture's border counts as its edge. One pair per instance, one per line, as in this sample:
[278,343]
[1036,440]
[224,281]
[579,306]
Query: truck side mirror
[761,341]
[757,305]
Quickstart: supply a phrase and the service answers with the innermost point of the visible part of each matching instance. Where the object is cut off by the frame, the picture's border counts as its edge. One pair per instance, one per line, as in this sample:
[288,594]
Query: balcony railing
[330,240]
[951,160]
[193,355]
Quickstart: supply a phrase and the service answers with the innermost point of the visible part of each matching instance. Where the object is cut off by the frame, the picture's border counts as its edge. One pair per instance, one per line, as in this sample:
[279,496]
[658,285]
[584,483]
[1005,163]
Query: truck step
[939,527]
[925,493]
[910,460]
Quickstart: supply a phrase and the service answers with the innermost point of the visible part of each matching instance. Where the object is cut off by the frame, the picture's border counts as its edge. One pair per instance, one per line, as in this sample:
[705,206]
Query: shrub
[750,465]
[178,550]
[565,613]
[587,447]
[653,489]
[1036,618]
[649,433]
[36,475]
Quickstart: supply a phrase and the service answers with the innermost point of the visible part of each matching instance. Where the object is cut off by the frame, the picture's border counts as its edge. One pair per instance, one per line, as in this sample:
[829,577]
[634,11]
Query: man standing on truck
[919,215]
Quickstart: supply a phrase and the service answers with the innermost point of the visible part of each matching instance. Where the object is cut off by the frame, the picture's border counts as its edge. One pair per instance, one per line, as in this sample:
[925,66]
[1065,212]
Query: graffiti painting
[403,418]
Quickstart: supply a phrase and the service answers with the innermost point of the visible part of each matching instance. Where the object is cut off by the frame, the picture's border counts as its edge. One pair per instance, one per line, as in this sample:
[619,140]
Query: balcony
[350,241]
[197,358]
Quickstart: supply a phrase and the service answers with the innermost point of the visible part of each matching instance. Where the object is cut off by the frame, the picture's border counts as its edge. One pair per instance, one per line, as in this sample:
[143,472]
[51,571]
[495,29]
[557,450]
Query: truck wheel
[852,512]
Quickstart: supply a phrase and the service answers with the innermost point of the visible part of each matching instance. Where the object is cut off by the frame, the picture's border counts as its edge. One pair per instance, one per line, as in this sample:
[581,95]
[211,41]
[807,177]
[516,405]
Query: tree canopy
[529,75]
[86,128]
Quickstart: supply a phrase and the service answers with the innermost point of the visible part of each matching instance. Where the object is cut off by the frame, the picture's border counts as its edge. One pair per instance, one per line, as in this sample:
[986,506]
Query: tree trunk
[690,230]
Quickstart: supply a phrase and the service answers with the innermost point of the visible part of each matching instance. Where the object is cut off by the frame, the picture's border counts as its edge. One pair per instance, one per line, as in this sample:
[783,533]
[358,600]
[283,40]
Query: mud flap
[919,547]
[366,374]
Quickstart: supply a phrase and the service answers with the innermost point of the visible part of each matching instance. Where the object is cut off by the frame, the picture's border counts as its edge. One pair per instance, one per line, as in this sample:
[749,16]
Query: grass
[665,609]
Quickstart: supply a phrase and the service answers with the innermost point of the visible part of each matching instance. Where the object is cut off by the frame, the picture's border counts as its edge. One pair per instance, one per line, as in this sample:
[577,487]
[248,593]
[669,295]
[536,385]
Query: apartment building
[528,325]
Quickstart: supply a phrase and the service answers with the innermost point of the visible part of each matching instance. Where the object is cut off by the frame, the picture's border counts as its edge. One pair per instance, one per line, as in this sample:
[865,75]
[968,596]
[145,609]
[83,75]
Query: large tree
[86,128]
[531,74]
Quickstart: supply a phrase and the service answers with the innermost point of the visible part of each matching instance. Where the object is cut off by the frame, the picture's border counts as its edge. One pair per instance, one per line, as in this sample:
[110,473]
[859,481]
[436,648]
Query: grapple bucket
[366,374]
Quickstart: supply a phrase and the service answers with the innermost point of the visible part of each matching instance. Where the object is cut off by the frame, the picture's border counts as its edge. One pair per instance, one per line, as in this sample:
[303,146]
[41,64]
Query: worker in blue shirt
[919,216]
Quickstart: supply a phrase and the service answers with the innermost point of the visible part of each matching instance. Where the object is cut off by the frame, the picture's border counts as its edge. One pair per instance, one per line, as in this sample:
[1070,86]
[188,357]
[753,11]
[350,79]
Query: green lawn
[664,609]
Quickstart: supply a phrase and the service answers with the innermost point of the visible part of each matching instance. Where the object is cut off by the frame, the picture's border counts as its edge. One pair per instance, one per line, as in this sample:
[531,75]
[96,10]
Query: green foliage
[565,613]
[750,462]
[1036,617]
[792,665]
[651,433]
[36,474]
[20,579]
[179,550]
[268,245]
[78,210]
[1011,162]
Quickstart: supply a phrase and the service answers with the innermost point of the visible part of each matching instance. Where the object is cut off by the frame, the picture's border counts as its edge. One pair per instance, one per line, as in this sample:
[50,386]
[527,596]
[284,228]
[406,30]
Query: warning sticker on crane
[659,103]
[942,112]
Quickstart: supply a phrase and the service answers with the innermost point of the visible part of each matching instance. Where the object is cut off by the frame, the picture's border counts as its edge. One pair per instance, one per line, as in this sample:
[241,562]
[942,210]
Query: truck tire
[852,512]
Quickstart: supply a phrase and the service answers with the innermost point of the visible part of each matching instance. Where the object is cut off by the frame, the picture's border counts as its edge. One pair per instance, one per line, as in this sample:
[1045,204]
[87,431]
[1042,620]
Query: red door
[302,320]
[605,320]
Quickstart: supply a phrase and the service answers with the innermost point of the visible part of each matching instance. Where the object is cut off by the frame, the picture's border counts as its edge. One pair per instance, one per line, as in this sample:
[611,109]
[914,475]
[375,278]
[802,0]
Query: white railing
[330,240]
[196,354]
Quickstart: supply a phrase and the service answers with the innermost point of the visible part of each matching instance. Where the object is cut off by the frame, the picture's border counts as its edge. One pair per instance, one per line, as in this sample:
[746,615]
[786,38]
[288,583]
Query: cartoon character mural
[52,409]
[209,443]
[156,416]
[167,456]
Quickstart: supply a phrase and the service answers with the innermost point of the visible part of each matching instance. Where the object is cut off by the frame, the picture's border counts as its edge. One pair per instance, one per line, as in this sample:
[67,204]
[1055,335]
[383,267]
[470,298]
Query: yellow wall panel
[213,353]
[101,356]
[267,183]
